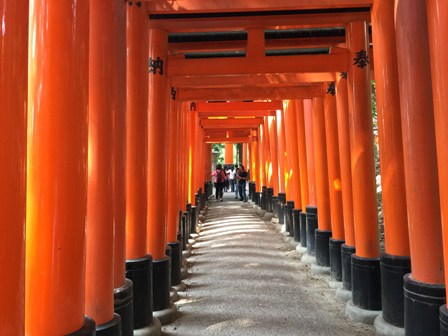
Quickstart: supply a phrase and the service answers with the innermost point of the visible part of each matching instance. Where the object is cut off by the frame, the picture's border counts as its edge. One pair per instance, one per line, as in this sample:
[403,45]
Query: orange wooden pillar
[138,263]
[395,262]
[228,153]
[157,168]
[192,155]
[123,296]
[273,151]
[173,196]
[57,169]
[420,167]
[366,295]
[261,164]
[207,161]
[323,232]
[334,183]
[13,98]
[311,207]
[281,150]
[348,248]
[303,167]
[100,215]
[245,149]
[437,15]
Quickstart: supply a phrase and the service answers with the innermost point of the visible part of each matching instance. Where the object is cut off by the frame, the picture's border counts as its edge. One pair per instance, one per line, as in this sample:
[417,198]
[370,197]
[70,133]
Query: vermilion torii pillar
[123,294]
[437,16]
[138,263]
[57,169]
[228,153]
[281,149]
[273,151]
[13,97]
[173,197]
[348,248]
[303,167]
[100,221]
[311,207]
[395,262]
[245,156]
[424,290]
[365,263]
[323,233]
[158,173]
[334,183]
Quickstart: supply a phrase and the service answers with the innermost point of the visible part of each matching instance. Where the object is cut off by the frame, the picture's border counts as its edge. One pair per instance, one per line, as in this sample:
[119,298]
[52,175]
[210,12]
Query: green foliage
[219,148]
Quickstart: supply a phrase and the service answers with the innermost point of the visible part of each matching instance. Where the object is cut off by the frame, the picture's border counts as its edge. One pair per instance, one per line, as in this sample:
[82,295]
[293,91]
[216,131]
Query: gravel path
[246,280]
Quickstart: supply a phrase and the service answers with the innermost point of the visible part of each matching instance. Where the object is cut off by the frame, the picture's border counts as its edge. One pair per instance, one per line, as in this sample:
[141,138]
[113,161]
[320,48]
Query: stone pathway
[245,280]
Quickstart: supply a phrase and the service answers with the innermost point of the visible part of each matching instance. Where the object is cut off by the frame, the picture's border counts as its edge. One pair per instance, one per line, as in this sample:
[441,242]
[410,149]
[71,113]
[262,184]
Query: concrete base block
[273,219]
[173,295]
[154,329]
[261,213]
[168,315]
[343,294]
[334,284]
[382,328]
[308,259]
[186,253]
[191,241]
[184,272]
[357,314]
[320,270]
[268,216]
[182,287]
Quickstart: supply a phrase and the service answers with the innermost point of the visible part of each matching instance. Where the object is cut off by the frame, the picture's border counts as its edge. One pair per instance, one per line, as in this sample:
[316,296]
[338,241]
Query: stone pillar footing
[111,328]
[123,307]
[360,315]
[88,329]
[167,315]
[154,329]
[422,303]
[382,328]
[343,294]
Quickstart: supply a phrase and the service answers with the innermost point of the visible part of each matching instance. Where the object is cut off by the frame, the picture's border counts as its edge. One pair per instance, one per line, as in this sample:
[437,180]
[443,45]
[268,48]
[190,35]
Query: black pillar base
[346,257]
[393,269]
[311,227]
[263,198]
[289,206]
[443,317]
[303,229]
[276,207]
[185,219]
[422,302]
[296,224]
[257,198]
[111,328]
[366,283]
[139,271]
[193,219]
[322,247]
[281,208]
[161,285]
[176,263]
[123,307]
[335,259]
[88,329]
[269,194]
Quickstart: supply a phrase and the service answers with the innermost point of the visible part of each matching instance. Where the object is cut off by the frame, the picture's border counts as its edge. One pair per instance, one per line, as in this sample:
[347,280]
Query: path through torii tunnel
[108,113]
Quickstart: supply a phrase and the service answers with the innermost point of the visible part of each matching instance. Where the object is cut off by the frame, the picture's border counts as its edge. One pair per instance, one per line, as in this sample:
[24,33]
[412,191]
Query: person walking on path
[242,176]
[231,173]
[219,178]
[235,181]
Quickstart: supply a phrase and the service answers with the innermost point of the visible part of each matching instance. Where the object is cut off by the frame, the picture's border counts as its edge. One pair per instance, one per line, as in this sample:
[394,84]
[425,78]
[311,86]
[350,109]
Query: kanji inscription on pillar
[361,59]
[153,65]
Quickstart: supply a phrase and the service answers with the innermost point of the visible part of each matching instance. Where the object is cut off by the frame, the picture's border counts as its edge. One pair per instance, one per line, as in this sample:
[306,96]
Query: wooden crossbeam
[258,65]
[239,107]
[230,123]
[252,93]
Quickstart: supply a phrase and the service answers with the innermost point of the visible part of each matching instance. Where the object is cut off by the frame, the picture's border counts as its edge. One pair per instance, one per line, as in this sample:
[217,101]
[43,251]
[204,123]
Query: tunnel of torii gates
[108,112]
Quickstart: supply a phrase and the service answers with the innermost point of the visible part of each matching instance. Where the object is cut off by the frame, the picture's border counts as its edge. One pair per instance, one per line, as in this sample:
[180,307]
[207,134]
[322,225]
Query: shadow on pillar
[303,229]
[311,227]
[88,329]
[288,217]
[139,271]
[281,208]
[422,303]
[112,328]
[269,196]
[161,284]
[123,298]
[296,213]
